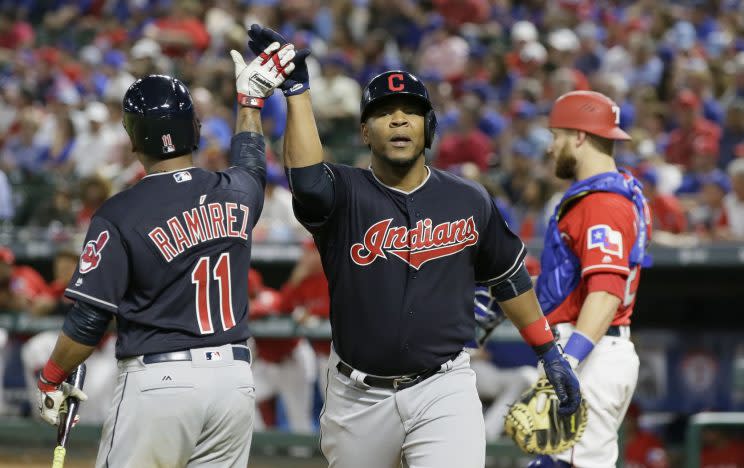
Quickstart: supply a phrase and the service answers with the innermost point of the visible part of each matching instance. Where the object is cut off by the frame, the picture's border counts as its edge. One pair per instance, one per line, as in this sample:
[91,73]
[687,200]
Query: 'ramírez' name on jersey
[200,224]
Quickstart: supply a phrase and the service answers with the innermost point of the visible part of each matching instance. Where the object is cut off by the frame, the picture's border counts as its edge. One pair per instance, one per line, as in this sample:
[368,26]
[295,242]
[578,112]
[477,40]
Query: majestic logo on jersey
[417,245]
[91,255]
[608,241]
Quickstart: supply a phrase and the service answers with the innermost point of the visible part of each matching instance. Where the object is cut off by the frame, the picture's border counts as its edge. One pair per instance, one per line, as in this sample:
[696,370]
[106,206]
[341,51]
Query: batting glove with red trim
[257,80]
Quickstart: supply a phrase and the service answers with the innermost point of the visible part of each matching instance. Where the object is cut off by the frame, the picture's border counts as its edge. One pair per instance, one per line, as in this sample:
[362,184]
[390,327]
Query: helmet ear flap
[430,128]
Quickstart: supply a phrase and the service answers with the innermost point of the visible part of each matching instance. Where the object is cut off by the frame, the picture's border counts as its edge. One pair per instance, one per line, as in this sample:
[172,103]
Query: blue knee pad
[546,461]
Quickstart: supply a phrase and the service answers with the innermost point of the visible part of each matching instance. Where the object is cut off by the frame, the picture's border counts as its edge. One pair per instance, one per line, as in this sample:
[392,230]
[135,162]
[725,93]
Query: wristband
[250,101]
[579,346]
[537,333]
[51,376]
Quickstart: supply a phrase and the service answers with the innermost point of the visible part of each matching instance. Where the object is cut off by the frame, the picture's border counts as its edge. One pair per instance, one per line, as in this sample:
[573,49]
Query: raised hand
[257,80]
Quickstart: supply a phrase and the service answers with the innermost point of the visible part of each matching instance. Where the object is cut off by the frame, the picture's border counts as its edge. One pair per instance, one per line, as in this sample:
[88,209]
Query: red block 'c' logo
[393,86]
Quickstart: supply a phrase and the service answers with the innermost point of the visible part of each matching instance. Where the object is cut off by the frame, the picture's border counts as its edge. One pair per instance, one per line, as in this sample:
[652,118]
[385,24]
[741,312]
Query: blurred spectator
[708,218]
[733,134]
[734,202]
[721,449]
[277,221]
[93,192]
[443,53]
[735,87]
[98,143]
[503,371]
[525,47]
[56,210]
[284,367]
[22,289]
[182,31]
[564,46]
[336,99]
[305,295]
[691,126]
[465,144]
[643,449]
[666,211]
[7,206]
[22,152]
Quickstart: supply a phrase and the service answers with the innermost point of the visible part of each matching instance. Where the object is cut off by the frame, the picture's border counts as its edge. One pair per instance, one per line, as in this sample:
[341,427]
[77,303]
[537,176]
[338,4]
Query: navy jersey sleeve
[242,180]
[103,271]
[501,252]
[339,179]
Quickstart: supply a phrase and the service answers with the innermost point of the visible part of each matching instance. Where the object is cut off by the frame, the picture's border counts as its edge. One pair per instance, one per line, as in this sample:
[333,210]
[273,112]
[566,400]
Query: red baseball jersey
[600,229]
[265,302]
[645,450]
[312,294]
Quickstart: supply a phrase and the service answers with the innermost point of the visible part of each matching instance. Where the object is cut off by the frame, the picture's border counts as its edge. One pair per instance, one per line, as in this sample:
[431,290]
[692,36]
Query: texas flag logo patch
[607,240]
[91,256]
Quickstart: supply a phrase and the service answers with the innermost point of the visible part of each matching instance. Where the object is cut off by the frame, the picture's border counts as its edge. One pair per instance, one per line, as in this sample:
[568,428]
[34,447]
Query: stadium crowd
[493,67]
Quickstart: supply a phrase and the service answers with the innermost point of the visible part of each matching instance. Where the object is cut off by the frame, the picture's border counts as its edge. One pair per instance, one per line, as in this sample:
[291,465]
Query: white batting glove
[53,401]
[257,80]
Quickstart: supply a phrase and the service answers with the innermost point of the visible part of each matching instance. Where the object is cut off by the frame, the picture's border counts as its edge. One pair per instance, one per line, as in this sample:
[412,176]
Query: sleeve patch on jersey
[608,241]
[91,256]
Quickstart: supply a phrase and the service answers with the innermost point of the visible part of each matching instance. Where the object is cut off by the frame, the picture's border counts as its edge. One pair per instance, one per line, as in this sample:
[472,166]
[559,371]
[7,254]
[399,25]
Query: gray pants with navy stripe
[196,413]
[437,423]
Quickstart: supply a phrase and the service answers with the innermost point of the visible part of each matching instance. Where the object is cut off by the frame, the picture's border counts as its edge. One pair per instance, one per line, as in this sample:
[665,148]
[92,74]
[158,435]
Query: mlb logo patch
[213,356]
[183,176]
[605,239]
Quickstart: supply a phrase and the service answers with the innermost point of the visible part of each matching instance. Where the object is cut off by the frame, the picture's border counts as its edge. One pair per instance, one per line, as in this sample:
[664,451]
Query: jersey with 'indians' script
[401,267]
[170,258]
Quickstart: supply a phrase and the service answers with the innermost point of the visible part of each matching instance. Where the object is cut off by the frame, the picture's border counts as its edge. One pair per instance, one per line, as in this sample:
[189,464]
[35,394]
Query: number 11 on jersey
[201,280]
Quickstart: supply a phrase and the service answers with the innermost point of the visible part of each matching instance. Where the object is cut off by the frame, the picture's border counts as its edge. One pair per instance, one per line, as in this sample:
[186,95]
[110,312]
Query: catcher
[595,246]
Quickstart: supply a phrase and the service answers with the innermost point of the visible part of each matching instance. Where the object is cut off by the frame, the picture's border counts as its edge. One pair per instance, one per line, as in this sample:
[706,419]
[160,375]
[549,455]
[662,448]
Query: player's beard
[402,163]
[565,165]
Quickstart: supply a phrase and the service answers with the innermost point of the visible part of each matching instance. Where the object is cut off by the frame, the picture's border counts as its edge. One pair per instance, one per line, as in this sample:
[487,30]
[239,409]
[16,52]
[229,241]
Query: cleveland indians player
[595,247]
[169,258]
[402,245]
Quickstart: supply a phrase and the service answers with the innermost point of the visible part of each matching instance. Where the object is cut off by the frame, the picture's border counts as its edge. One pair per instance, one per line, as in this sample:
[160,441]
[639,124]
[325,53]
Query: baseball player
[169,258]
[595,247]
[305,296]
[402,245]
[283,367]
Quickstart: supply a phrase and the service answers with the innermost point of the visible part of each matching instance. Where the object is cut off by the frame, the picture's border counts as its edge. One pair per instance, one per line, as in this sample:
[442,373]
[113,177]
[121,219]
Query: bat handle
[59,457]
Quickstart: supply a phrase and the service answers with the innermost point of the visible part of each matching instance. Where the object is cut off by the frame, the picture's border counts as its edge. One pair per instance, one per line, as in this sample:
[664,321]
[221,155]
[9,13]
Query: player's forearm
[596,314]
[68,353]
[248,120]
[523,309]
[302,145]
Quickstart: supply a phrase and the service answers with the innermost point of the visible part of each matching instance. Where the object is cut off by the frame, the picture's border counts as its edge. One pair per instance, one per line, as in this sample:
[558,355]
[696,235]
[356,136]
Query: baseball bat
[76,379]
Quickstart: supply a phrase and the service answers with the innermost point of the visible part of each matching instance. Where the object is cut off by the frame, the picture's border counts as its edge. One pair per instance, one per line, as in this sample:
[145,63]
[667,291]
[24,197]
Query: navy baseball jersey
[401,267]
[170,258]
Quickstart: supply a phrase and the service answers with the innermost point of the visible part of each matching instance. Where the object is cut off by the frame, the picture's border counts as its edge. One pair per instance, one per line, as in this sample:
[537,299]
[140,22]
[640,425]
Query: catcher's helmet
[399,83]
[590,112]
[159,117]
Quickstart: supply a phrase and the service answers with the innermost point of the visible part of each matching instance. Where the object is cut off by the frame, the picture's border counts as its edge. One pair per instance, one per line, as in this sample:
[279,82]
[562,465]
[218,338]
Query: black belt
[613,330]
[392,383]
[240,353]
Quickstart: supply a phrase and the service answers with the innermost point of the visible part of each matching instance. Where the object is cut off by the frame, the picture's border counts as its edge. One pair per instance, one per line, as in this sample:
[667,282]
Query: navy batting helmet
[399,83]
[159,117]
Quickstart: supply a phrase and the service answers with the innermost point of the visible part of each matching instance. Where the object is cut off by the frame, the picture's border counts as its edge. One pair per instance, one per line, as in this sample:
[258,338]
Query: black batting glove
[299,80]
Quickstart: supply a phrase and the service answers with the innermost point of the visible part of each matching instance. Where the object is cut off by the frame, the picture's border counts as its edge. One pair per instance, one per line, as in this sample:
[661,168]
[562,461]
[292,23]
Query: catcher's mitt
[535,425]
